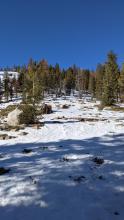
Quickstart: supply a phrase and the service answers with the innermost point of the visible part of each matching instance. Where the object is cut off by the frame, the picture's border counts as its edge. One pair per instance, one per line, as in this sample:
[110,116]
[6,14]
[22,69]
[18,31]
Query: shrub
[28,115]
[117,108]
[9,108]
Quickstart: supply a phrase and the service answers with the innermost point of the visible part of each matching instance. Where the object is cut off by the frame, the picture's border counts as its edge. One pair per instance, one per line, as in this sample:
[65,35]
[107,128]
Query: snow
[11,74]
[44,183]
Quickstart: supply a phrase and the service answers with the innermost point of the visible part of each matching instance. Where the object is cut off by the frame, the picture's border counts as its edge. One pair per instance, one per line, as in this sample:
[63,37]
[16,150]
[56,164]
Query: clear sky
[63,31]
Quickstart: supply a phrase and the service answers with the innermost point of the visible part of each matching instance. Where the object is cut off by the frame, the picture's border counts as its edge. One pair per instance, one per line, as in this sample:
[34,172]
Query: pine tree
[57,83]
[92,84]
[100,71]
[110,82]
[43,75]
[86,76]
[69,81]
[1,90]
[121,84]
[11,90]
[6,84]
[15,84]
[79,82]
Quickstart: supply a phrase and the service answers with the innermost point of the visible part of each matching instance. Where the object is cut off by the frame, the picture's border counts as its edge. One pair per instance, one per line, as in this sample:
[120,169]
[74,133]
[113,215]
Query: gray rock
[4,137]
[13,118]
[23,133]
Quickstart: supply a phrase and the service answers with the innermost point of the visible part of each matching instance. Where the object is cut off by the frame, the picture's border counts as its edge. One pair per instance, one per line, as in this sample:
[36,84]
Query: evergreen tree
[82,81]
[86,76]
[69,81]
[33,83]
[1,90]
[43,75]
[6,84]
[100,71]
[92,84]
[11,89]
[15,85]
[121,84]
[79,82]
[57,83]
[22,81]
[51,78]
[110,82]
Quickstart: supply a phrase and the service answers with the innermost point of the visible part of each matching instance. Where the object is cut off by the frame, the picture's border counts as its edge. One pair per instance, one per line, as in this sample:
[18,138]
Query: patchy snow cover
[58,179]
[11,74]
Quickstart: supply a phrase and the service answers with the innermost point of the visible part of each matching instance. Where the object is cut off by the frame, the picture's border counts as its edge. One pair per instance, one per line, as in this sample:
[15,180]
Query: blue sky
[68,32]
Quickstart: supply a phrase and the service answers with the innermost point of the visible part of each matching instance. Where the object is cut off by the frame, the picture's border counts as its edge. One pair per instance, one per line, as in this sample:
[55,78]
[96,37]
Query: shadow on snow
[40,181]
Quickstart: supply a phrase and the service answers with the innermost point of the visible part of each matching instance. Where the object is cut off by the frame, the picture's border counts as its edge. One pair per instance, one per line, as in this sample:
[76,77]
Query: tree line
[37,79]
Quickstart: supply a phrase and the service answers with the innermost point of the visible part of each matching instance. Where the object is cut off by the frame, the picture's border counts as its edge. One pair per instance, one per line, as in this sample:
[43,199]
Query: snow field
[58,179]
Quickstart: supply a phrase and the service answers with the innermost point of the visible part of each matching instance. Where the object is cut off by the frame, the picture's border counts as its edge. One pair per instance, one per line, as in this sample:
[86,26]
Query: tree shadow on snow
[45,182]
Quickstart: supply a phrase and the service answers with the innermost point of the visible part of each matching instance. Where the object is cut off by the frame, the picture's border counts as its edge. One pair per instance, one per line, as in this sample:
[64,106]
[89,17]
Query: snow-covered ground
[59,180]
[10,74]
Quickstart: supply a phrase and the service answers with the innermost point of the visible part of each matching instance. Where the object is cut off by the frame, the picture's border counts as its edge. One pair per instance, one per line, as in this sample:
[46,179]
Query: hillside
[73,167]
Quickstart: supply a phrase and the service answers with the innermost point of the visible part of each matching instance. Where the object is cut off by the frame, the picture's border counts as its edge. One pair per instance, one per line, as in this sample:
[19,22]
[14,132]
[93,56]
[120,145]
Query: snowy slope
[58,179]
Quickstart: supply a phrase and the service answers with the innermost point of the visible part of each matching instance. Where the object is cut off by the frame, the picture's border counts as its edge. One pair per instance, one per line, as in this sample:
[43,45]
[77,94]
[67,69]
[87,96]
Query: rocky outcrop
[13,117]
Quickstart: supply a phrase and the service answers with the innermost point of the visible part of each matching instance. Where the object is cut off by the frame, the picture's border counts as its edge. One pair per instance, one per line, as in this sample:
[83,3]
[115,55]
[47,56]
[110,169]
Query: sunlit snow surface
[42,185]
